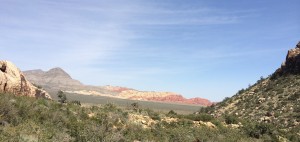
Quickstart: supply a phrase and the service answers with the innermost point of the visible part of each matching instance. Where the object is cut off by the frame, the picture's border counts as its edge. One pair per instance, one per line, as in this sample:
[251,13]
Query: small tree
[135,105]
[75,102]
[172,113]
[62,96]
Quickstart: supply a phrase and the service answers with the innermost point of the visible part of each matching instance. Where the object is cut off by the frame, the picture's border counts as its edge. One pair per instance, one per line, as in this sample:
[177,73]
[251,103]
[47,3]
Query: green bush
[231,119]
[153,115]
[62,96]
[172,113]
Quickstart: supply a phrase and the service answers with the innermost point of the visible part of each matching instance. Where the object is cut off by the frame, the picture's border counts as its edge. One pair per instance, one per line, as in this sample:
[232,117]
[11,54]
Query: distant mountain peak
[55,78]
[57,71]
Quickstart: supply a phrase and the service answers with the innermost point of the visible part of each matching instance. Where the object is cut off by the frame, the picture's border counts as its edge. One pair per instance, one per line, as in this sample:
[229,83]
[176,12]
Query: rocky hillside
[13,81]
[57,79]
[275,99]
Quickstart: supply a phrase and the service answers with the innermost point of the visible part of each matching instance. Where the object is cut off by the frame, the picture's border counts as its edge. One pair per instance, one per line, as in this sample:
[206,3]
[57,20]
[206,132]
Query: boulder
[13,81]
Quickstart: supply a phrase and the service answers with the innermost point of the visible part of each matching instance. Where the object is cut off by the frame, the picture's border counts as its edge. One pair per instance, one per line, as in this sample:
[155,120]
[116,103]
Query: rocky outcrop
[13,81]
[291,64]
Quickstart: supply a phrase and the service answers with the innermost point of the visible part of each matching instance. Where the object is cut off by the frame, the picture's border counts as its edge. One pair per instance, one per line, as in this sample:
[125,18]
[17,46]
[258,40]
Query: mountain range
[57,79]
[268,110]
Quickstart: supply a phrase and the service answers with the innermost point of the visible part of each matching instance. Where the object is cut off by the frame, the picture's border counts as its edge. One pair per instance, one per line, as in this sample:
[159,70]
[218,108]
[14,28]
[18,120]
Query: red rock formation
[179,99]
[170,98]
[201,101]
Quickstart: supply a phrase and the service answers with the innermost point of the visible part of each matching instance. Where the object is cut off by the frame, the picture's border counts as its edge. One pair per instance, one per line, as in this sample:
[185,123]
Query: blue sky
[198,48]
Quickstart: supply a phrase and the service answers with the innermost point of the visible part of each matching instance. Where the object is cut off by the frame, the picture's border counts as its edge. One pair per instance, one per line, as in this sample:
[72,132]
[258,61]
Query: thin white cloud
[76,34]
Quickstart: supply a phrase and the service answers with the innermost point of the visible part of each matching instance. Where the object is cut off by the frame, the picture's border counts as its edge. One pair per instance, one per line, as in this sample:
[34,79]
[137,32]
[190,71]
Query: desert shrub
[62,96]
[209,109]
[136,133]
[109,107]
[135,106]
[218,123]
[231,119]
[259,130]
[7,112]
[294,97]
[199,117]
[280,90]
[153,115]
[172,113]
[75,102]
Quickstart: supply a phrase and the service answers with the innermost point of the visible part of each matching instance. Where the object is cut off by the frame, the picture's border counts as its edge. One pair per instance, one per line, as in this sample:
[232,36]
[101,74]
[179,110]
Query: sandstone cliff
[13,81]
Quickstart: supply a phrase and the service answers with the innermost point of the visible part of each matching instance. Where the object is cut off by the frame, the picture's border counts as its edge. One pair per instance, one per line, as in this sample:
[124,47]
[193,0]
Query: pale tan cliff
[13,81]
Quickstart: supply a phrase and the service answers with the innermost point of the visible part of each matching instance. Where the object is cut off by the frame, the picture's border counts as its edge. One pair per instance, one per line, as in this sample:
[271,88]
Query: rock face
[291,64]
[13,81]
[57,79]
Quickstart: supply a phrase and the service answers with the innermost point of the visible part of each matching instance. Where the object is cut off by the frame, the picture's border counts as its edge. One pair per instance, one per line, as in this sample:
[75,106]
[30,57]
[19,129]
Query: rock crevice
[3,68]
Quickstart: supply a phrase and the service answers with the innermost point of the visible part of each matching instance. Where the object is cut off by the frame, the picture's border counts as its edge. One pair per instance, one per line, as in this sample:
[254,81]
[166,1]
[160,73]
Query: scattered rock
[145,121]
[169,119]
[91,115]
[4,123]
[261,100]
[207,124]
[266,119]
[234,126]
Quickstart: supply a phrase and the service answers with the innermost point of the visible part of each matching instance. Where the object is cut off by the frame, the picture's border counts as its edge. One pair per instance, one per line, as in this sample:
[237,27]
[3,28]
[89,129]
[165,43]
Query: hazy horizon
[207,49]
